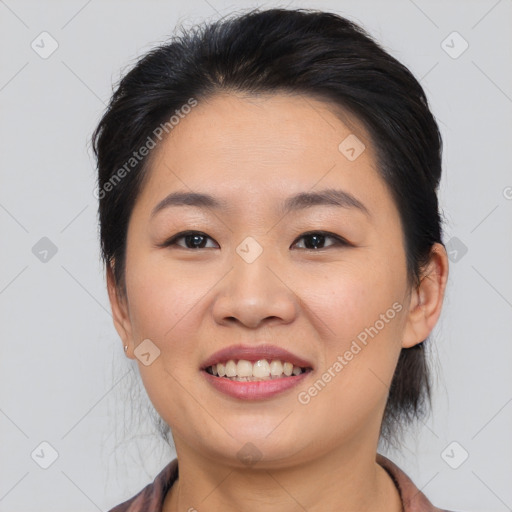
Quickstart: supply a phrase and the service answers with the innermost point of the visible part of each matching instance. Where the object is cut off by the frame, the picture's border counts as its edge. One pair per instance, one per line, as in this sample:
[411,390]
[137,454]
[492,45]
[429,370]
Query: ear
[427,298]
[120,314]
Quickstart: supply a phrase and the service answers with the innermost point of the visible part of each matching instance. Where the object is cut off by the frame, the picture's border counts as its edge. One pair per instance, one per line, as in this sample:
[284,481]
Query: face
[324,279]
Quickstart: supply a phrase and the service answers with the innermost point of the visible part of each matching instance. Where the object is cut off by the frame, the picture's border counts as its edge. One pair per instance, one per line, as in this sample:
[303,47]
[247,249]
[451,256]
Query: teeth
[276,368]
[262,369]
[231,368]
[243,369]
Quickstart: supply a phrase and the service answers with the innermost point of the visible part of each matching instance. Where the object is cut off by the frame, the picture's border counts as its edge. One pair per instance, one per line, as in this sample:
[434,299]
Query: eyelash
[339,241]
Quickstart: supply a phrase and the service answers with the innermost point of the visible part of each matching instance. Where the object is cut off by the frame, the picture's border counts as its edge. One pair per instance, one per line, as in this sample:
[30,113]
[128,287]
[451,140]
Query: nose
[254,295]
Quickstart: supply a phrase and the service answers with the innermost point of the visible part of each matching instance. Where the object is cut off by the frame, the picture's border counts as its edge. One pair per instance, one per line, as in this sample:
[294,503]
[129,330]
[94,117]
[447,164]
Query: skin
[254,152]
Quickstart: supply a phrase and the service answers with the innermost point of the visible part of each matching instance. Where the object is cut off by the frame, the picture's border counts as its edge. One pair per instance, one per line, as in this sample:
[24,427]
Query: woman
[270,228]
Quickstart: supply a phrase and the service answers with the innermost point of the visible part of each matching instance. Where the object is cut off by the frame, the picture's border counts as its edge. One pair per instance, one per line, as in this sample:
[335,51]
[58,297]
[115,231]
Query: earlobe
[427,298]
[119,308]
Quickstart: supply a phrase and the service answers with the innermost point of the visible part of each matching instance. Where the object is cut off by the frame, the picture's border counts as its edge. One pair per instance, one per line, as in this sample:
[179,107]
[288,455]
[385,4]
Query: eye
[192,240]
[316,240]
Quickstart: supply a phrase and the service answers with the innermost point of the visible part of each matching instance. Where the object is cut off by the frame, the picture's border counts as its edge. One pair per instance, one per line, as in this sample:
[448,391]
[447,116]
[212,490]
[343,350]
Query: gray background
[65,380]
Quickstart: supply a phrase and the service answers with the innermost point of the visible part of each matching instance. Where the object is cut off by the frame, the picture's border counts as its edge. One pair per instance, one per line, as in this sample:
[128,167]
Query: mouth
[254,372]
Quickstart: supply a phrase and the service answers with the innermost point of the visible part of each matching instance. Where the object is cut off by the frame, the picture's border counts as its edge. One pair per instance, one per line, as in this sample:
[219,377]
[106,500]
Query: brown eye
[192,240]
[315,240]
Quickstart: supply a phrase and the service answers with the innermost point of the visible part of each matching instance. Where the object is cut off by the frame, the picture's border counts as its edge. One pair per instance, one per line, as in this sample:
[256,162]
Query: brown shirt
[151,498]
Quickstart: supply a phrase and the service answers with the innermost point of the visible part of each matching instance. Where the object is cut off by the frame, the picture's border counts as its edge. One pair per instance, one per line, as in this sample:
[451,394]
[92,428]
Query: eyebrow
[327,197]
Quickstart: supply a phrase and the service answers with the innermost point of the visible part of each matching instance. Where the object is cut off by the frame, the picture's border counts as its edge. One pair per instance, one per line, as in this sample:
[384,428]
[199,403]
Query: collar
[153,495]
[413,500]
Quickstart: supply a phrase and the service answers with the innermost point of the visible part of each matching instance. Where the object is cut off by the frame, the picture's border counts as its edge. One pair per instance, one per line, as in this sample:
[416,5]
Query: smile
[257,380]
[261,370]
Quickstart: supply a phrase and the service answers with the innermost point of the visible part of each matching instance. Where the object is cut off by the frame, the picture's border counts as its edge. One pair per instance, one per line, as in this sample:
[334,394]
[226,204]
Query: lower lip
[258,390]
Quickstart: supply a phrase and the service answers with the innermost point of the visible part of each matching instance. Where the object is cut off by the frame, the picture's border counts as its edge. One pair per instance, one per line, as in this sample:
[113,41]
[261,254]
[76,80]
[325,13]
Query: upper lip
[254,353]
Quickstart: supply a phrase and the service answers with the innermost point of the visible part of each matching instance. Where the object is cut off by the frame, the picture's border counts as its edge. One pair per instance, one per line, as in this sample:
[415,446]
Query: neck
[343,480]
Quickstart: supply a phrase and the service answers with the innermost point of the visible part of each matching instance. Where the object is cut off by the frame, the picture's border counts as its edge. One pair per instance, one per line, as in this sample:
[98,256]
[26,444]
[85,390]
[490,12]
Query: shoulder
[153,495]
[413,499]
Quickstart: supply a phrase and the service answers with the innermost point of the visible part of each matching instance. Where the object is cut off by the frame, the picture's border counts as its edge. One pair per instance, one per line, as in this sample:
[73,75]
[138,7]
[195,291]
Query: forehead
[274,125]
[253,149]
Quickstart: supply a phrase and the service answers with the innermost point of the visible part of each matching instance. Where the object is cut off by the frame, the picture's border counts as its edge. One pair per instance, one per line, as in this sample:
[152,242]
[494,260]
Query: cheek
[361,322]
[164,307]
[162,302]
[351,297]
[359,312]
